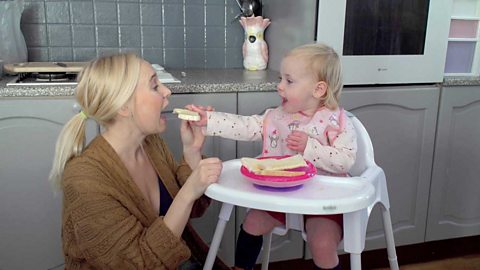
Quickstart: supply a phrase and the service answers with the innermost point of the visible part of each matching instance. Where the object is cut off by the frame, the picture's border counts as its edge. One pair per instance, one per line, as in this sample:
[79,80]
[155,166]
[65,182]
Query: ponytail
[70,143]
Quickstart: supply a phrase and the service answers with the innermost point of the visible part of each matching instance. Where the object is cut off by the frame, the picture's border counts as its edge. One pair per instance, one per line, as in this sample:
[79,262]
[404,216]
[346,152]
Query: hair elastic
[83,115]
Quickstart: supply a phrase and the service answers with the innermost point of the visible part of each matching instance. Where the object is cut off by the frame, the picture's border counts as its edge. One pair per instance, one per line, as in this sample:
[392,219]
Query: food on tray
[279,173]
[274,166]
[187,114]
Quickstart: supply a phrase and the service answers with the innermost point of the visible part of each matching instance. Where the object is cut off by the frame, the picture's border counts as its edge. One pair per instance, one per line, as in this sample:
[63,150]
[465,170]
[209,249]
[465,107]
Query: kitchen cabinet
[285,247]
[30,212]
[401,122]
[454,208]
[214,147]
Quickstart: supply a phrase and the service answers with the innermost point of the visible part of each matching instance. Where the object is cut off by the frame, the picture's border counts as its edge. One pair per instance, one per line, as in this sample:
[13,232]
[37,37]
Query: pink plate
[280,181]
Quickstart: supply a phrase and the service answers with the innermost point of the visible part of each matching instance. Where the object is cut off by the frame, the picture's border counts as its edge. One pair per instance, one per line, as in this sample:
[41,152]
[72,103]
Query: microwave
[378,41]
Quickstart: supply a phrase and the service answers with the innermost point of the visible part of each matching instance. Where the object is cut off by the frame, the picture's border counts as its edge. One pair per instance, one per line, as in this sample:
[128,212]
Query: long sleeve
[337,157]
[111,235]
[233,126]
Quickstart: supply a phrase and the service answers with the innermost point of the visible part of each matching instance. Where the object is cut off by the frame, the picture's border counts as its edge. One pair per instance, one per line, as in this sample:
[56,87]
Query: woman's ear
[124,111]
[320,89]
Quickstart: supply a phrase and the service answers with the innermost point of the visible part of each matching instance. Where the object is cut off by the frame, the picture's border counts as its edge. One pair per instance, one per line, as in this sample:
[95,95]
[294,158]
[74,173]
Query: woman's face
[297,86]
[150,99]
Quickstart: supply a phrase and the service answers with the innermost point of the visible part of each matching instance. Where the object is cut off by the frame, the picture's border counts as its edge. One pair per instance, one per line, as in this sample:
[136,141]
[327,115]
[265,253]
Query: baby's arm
[235,127]
[339,156]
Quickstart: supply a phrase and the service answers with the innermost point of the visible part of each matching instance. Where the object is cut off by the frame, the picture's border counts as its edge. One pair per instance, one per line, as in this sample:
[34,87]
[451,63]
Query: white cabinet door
[454,208]
[286,247]
[401,122]
[214,147]
[30,223]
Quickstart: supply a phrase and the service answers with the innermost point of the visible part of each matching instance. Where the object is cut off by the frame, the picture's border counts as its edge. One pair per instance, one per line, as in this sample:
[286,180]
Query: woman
[126,202]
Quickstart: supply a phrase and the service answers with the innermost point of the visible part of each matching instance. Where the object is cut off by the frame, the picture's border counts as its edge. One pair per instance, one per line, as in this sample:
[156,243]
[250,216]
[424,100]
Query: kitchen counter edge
[192,82]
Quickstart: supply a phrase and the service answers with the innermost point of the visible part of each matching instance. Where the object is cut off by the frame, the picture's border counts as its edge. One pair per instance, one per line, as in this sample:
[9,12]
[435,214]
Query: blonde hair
[104,86]
[324,62]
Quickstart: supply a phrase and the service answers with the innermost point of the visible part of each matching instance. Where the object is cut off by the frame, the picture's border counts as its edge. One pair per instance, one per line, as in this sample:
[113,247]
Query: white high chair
[354,226]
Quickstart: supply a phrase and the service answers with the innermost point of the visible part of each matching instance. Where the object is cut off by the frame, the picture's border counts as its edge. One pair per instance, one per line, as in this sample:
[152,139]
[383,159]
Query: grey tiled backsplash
[172,33]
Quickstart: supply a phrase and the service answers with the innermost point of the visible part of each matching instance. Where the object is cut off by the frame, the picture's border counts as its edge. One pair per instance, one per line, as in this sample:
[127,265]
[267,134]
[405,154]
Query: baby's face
[297,86]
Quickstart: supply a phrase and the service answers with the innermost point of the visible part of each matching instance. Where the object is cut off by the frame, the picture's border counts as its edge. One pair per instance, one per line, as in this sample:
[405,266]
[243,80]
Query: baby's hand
[297,141]
[202,111]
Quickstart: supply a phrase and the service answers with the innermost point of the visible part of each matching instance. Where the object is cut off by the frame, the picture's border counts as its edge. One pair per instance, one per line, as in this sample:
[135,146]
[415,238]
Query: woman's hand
[297,141]
[192,140]
[206,173]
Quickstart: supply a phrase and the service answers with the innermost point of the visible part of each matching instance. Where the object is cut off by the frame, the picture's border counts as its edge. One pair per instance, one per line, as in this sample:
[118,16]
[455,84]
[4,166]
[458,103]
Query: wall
[173,33]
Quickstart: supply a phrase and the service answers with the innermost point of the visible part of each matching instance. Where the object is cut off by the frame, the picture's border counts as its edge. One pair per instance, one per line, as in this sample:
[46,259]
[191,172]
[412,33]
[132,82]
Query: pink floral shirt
[331,145]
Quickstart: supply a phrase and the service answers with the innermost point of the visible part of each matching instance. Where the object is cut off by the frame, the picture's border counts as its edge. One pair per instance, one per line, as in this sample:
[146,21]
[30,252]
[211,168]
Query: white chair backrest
[365,156]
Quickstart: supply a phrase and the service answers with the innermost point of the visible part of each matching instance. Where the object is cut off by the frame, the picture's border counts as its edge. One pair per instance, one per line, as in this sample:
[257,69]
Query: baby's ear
[320,89]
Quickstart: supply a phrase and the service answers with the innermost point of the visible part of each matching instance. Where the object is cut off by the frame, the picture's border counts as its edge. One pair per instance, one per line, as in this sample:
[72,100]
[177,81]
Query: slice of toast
[272,164]
[187,114]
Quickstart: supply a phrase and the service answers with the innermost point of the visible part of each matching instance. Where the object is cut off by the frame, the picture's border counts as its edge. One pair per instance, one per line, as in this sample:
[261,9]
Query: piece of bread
[273,164]
[187,114]
[279,173]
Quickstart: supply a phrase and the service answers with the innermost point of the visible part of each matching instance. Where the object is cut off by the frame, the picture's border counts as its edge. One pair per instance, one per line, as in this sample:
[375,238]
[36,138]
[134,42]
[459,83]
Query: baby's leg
[323,237]
[250,239]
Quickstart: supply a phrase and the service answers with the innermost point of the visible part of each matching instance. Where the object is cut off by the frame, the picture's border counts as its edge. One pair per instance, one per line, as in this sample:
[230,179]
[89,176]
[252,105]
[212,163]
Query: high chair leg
[267,242]
[387,226]
[355,261]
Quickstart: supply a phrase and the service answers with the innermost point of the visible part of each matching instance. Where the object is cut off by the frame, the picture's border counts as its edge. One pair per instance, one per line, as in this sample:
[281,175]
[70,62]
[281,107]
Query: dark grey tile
[107,36]
[194,15]
[130,36]
[59,35]
[195,58]
[196,2]
[173,1]
[38,54]
[35,34]
[106,13]
[154,56]
[83,36]
[234,58]
[174,58]
[174,37]
[61,54]
[107,51]
[215,15]
[195,37]
[231,15]
[82,12]
[235,36]
[57,12]
[217,2]
[151,14]
[215,37]
[129,13]
[84,54]
[136,51]
[215,58]
[173,14]
[152,36]
[34,12]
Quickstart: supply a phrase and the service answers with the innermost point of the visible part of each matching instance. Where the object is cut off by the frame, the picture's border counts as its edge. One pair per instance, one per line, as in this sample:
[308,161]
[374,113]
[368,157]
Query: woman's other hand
[205,174]
[297,141]
[192,140]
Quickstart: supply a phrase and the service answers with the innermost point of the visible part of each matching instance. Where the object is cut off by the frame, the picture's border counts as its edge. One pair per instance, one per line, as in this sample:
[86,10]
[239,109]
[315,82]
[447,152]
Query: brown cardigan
[107,223]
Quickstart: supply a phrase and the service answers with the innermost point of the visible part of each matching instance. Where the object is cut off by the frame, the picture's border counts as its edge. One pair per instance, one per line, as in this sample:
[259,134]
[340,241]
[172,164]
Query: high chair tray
[320,195]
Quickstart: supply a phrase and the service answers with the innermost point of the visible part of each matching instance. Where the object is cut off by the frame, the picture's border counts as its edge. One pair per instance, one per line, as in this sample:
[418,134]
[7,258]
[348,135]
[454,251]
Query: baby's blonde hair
[104,86]
[324,62]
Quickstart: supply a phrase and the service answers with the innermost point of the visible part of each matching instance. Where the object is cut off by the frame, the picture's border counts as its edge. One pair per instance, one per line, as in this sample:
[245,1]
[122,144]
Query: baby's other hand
[297,141]
[202,111]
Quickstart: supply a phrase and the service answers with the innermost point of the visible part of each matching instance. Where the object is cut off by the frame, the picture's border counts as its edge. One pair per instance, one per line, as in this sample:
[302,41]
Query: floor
[452,254]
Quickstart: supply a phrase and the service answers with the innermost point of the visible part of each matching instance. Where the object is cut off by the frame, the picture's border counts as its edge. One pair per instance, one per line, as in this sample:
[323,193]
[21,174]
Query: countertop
[193,81]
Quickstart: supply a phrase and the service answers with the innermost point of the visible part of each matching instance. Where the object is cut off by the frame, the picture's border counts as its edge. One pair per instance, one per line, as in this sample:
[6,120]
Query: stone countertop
[461,81]
[193,81]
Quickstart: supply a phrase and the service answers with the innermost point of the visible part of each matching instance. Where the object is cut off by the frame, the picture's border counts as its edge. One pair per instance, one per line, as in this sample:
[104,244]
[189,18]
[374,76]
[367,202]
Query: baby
[308,122]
